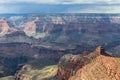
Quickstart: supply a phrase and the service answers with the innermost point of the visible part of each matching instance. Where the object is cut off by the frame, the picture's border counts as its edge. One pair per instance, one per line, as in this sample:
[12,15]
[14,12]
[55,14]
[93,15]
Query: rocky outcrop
[36,29]
[30,28]
[101,68]
[29,73]
[4,27]
[21,74]
[94,66]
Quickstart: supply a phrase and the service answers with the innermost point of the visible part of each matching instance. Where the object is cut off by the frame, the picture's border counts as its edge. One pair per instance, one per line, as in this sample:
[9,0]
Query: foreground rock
[98,65]
[29,73]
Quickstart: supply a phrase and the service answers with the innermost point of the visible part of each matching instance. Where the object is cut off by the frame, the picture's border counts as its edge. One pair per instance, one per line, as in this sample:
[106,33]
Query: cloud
[9,8]
[61,1]
[70,8]
[99,9]
[59,6]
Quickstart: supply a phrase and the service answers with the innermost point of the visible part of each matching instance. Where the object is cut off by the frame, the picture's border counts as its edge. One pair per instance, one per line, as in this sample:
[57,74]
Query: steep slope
[35,28]
[97,65]
[30,28]
[102,68]
[6,27]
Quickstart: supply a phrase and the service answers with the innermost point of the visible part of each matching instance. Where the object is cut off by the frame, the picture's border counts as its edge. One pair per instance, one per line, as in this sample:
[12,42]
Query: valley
[59,46]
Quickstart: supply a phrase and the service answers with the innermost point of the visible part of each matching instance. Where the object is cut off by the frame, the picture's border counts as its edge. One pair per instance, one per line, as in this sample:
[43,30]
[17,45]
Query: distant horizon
[53,13]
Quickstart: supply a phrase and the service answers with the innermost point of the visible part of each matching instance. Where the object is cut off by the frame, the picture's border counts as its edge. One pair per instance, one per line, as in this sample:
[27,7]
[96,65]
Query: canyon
[63,45]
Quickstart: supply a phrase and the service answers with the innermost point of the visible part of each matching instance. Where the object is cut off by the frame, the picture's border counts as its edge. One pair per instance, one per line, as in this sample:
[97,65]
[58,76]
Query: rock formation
[28,73]
[4,27]
[30,28]
[98,65]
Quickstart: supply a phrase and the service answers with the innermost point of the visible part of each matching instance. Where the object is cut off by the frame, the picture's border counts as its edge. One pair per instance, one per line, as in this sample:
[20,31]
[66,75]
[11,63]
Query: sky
[59,6]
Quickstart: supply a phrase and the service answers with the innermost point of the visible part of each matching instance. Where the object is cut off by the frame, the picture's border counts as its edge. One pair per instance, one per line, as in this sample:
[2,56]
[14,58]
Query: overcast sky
[57,6]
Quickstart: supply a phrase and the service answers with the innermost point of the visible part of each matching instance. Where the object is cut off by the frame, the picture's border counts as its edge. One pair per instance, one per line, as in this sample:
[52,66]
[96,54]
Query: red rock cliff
[98,65]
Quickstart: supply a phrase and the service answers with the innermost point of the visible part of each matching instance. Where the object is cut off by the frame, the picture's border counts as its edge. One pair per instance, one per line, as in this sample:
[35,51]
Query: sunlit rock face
[95,65]
[30,28]
[4,27]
